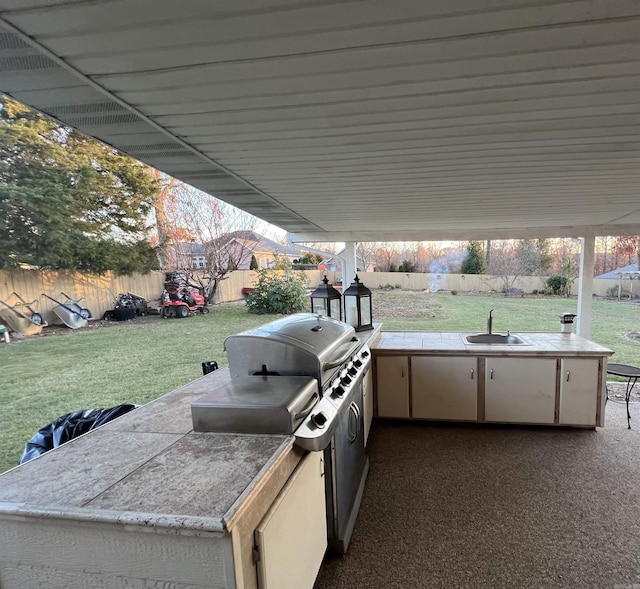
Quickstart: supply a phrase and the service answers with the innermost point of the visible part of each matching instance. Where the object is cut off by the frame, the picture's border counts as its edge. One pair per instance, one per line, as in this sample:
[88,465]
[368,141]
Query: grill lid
[317,334]
[303,344]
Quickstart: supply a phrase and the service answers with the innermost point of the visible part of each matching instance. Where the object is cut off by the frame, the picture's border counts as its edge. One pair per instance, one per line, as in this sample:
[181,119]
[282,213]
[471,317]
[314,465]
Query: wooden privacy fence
[99,292]
[475,282]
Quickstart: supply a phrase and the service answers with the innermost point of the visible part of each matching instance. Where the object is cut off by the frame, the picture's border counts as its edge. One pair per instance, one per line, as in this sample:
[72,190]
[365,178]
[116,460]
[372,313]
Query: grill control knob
[352,371]
[338,391]
[319,419]
[358,363]
[365,354]
[346,380]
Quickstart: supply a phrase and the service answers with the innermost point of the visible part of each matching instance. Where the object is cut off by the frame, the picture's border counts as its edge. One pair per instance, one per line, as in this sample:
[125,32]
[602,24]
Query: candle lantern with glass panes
[326,300]
[357,306]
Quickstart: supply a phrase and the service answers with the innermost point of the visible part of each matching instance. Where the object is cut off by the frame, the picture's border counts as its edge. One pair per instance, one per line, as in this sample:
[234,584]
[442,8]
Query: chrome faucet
[490,322]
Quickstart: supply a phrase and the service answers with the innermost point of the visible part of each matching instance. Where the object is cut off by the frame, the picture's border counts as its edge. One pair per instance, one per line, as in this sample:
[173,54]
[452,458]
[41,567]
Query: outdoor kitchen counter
[148,467]
[444,343]
[149,498]
[553,379]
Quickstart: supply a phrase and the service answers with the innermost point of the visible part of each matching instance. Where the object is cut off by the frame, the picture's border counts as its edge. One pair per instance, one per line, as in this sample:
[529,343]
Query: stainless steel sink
[496,338]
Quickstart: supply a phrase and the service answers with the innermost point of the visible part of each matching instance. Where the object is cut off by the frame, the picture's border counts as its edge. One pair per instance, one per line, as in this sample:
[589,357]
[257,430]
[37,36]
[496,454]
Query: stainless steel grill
[301,375]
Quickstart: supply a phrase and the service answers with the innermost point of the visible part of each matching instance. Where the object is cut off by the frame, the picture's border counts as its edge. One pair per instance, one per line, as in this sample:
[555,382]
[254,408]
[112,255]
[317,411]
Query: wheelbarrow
[21,317]
[70,312]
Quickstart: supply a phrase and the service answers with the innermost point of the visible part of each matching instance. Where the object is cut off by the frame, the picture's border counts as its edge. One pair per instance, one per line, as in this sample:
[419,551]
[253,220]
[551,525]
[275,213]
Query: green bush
[278,292]
[556,284]
[407,266]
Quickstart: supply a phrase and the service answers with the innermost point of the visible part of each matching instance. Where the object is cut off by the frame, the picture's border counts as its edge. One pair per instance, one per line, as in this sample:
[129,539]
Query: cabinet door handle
[402,372]
[472,371]
[568,375]
[491,375]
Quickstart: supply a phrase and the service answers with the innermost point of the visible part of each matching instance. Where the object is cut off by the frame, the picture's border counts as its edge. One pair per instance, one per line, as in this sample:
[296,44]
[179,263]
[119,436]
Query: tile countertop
[148,468]
[454,343]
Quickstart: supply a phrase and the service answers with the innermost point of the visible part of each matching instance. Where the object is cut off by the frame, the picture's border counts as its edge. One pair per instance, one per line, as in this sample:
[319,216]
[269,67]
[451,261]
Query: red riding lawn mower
[181,300]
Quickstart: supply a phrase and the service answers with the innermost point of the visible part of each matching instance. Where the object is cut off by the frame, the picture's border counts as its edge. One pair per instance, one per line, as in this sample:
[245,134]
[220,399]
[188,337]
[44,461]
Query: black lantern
[325,300]
[357,306]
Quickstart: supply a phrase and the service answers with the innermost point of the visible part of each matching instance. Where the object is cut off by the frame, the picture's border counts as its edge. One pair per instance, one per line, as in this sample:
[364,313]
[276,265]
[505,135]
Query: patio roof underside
[357,120]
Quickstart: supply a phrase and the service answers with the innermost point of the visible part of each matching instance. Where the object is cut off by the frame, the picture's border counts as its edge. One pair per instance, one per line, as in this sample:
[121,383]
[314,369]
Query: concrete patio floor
[497,506]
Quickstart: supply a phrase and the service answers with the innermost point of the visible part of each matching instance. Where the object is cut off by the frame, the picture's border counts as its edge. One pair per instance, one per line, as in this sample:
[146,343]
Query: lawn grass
[43,377]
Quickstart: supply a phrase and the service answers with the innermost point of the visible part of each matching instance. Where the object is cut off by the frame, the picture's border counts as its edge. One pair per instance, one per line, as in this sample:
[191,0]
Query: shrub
[407,266]
[556,284]
[513,292]
[254,263]
[278,292]
[613,292]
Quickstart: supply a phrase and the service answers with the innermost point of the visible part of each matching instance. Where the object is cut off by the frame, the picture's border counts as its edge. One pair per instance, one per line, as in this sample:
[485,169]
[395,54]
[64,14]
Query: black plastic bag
[70,426]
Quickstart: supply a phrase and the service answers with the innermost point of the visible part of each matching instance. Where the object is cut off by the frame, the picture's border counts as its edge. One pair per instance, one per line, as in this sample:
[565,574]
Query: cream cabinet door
[292,537]
[444,388]
[579,384]
[520,390]
[392,386]
[367,402]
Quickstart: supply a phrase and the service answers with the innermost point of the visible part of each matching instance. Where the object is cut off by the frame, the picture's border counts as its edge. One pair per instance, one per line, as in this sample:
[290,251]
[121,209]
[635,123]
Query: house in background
[240,246]
[243,245]
[186,254]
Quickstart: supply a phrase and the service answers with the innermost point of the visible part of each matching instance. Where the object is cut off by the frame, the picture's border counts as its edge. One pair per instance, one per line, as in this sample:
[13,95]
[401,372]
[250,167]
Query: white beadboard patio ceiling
[357,120]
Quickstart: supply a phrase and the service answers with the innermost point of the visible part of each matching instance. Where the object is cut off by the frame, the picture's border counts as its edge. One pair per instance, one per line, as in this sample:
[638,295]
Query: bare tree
[488,253]
[386,257]
[168,230]
[410,252]
[563,250]
[366,251]
[422,257]
[222,238]
[628,247]
[505,263]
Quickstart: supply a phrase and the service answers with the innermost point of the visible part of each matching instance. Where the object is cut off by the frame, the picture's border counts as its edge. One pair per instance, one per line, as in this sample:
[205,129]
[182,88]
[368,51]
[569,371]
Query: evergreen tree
[474,262]
[69,201]
[253,265]
[407,266]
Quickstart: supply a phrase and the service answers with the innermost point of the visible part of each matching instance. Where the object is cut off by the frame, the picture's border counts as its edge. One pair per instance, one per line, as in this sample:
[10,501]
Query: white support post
[585,285]
[350,266]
